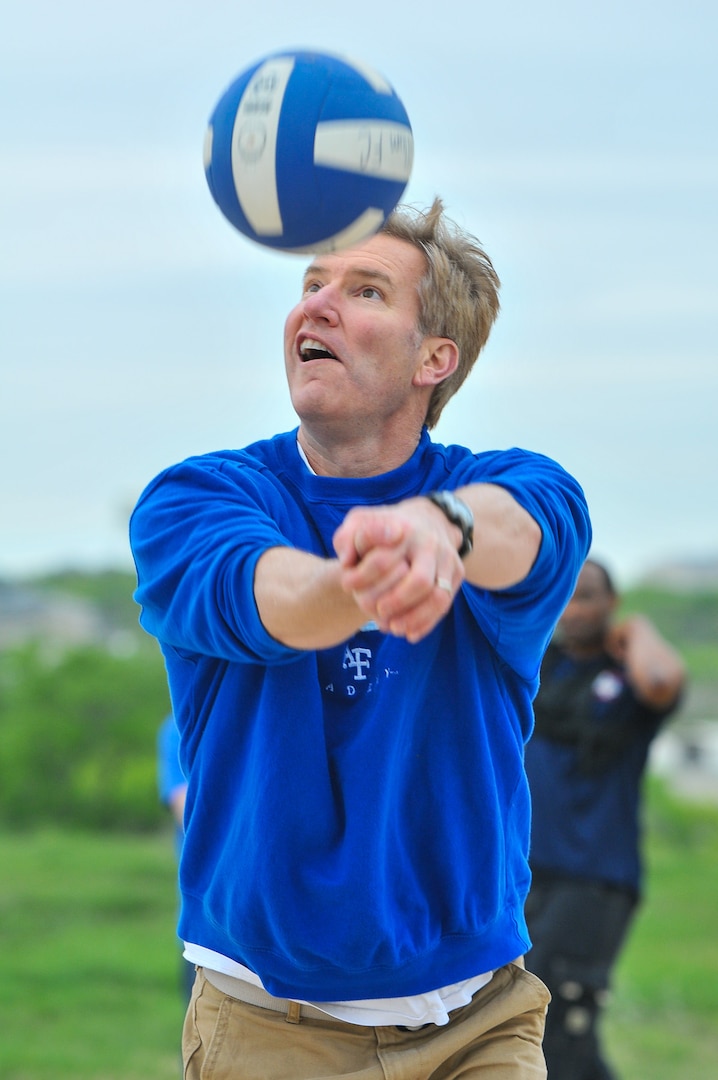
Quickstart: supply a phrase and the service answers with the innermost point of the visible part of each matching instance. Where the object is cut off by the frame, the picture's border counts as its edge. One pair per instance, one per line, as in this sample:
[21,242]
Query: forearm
[390,560]
[654,669]
[401,562]
[506,538]
[301,602]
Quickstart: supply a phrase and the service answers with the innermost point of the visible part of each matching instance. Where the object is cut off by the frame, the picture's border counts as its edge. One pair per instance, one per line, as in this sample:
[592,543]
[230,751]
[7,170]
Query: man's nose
[322,305]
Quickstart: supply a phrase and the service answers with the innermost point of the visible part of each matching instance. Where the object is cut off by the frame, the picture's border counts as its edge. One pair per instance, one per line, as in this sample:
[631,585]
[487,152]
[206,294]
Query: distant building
[687,758]
[27,614]
[690,574]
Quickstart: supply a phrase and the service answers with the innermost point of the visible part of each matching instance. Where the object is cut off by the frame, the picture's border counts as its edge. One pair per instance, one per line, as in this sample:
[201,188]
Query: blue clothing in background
[170,777]
[169,771]
[170,774]
[585,764]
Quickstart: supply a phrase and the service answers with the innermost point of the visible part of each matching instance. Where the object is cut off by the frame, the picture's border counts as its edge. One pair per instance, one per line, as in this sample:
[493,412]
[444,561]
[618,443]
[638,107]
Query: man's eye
[370,293]
[312,287]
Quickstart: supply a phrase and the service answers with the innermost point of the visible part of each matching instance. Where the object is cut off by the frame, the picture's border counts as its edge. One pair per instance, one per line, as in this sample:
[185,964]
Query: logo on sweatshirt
[356,668]
[357,660]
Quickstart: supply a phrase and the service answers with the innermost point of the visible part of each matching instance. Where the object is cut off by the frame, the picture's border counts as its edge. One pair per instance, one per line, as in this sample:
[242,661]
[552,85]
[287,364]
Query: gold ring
[445,584]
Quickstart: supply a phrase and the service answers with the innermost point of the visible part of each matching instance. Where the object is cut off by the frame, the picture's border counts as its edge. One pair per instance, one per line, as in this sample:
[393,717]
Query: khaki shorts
[497,1036]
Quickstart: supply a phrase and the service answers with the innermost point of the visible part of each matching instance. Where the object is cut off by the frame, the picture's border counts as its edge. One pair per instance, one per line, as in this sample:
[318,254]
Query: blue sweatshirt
[357,820]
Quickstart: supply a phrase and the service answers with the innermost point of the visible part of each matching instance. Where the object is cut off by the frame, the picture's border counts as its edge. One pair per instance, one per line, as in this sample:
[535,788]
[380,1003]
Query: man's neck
[358,457]
[583,650]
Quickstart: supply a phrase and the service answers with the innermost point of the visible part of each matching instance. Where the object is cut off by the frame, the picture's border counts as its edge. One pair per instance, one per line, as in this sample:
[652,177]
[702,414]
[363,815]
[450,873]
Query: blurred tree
[79,733]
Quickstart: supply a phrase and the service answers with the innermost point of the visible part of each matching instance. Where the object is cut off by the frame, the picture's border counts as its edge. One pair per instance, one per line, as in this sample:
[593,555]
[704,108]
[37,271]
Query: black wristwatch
[458,514]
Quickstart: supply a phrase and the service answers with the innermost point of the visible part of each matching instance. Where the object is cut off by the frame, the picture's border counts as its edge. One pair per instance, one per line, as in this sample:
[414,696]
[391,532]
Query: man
[605,689]
[352,662]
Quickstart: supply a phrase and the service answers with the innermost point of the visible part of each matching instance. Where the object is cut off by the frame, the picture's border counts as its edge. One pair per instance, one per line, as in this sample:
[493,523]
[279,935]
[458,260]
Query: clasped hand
[400,564]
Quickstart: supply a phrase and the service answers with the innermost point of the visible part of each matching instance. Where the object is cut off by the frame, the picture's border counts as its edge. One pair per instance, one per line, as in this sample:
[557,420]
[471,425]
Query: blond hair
[458,294]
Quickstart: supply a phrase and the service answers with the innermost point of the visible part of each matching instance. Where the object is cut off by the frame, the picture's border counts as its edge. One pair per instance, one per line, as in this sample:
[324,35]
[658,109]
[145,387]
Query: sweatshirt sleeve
[196,535]
[519,621]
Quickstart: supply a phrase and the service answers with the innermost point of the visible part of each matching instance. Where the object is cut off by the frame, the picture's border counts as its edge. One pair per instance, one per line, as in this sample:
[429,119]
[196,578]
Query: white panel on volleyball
[379,148]
[375,80]
[360,229]
[254,145]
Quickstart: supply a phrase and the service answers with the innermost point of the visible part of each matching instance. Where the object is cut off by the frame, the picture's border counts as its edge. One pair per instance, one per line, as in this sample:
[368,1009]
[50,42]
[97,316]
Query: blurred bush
[79,714]
[78,736]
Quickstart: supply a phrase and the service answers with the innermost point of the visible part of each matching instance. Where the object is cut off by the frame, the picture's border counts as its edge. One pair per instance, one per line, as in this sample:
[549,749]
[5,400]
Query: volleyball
[308,152]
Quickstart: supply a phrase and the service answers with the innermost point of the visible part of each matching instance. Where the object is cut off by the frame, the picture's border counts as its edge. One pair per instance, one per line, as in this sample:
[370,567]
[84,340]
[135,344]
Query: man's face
[588,613]
[352,347]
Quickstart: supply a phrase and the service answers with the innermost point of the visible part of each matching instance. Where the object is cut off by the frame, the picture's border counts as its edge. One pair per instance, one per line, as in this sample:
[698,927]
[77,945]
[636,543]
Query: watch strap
[459,514]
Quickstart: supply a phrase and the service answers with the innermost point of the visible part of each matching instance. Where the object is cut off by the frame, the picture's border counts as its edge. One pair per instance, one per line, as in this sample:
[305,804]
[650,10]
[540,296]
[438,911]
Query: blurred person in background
[607,685]
[172,788]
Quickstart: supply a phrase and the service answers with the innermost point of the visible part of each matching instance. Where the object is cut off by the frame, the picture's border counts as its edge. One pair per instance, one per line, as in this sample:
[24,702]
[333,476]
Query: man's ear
[440,358]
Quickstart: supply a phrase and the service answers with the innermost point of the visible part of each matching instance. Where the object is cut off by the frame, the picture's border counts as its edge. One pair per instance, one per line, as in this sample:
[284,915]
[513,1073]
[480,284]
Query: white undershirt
[430,1008]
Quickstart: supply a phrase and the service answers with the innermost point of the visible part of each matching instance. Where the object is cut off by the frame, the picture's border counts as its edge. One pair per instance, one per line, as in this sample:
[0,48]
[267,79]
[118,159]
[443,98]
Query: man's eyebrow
[368,273]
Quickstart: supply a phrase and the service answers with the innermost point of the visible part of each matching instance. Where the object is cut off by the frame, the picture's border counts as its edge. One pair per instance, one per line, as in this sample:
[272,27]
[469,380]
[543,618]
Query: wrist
[459,514]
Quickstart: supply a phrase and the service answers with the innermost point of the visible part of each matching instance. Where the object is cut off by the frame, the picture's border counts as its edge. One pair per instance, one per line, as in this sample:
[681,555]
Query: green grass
[662,1021]
[90,986]
[90,981]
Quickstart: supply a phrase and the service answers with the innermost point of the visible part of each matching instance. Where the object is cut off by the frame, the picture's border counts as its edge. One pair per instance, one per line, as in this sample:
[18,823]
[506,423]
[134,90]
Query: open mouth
[314,350]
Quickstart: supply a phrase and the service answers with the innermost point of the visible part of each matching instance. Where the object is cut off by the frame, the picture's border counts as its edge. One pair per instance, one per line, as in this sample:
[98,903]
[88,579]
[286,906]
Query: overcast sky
[579,144]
